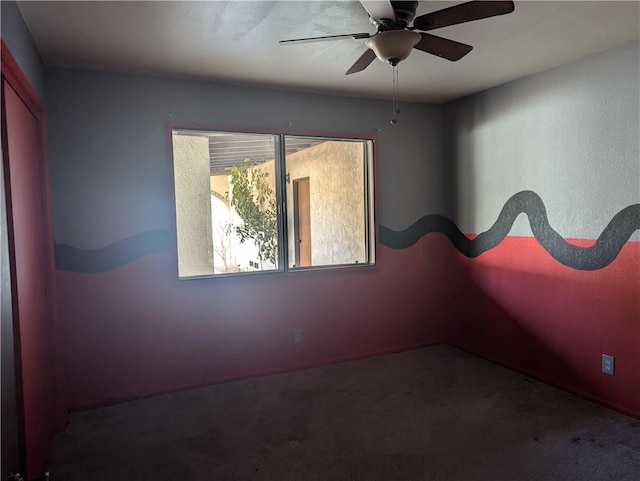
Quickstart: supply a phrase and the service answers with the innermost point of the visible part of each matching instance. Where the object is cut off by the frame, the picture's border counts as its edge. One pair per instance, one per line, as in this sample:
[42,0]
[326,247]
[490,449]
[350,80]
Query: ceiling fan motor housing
[405,11]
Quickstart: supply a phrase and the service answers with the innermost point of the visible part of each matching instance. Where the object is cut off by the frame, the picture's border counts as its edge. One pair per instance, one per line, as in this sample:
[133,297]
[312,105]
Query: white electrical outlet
[608,364]
[297,336]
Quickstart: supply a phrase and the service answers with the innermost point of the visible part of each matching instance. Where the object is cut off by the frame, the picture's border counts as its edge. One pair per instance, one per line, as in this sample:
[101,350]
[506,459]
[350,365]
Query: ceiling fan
[395,39]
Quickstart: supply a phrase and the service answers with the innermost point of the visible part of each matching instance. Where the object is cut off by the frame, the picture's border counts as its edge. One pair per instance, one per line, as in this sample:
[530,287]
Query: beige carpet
[425,415]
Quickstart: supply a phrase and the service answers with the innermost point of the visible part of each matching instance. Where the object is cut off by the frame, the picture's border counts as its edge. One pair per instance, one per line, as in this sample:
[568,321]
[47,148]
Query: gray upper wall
[17,37]
[110,163]
[571,134]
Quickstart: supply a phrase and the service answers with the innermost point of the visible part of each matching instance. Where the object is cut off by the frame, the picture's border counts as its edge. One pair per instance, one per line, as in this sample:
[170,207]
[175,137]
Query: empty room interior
[348,240]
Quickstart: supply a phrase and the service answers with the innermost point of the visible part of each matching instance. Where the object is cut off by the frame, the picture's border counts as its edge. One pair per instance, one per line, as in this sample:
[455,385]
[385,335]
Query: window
[249,202]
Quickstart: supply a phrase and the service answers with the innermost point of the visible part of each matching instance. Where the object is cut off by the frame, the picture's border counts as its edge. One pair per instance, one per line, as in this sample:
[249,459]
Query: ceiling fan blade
[363,62]
[379,9]
[354,36]
[443,47]
[465,12]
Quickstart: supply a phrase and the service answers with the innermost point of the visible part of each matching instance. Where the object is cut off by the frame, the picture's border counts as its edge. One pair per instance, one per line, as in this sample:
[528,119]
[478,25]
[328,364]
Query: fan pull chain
[395,102]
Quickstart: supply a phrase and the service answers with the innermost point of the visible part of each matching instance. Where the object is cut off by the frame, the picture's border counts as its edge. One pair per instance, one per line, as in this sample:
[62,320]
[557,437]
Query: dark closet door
[30,250]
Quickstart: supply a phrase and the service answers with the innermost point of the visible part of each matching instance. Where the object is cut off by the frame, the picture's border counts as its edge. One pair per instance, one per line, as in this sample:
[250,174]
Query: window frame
[370,194]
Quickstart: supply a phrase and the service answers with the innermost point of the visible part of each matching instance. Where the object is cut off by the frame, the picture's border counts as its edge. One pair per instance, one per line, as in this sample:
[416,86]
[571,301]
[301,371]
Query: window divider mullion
[281,198]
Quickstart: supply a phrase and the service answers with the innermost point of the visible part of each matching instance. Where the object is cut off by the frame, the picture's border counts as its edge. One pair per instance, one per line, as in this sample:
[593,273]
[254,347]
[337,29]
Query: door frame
[296,219]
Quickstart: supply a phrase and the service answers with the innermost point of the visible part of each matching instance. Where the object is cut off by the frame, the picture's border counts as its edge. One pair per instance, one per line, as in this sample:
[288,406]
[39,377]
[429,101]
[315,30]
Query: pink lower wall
[137,331]
[519,307]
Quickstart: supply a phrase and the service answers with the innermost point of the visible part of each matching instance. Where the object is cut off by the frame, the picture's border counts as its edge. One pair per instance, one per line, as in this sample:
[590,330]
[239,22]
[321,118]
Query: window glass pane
[327,205]
[231,188]
[226,211]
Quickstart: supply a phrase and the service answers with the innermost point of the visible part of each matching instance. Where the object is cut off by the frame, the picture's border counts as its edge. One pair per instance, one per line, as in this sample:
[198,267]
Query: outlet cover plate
[297,336]
[608,364]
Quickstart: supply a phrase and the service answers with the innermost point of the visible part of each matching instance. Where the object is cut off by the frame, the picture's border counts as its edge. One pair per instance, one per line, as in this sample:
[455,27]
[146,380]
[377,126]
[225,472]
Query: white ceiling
[237,42]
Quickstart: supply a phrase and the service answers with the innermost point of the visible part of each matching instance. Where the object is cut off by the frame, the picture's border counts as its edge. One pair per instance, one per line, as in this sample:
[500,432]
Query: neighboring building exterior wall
[335,170]
[193,204]
[336,183]
[220,185]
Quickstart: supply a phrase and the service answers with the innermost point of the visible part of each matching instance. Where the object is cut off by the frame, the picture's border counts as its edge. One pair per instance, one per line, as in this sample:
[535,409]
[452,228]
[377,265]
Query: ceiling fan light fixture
[393,46]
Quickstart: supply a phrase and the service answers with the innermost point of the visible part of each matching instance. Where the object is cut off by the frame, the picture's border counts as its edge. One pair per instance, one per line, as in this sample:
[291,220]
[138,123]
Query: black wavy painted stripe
[600,255]
[114,255]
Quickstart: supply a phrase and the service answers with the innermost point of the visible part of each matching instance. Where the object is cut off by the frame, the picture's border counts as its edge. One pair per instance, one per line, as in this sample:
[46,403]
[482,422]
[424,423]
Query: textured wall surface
[569,134]
[132,328]
[563,287]
[193,205]
[561,146]
[336,190]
